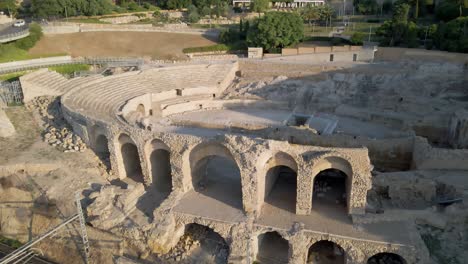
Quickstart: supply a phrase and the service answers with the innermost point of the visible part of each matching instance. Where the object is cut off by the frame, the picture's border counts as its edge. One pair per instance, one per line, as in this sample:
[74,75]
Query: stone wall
[401,54]
[426,157]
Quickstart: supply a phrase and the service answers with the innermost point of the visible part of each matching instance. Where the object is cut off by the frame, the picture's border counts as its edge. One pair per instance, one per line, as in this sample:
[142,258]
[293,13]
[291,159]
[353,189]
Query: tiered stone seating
[47,79]
[101,97]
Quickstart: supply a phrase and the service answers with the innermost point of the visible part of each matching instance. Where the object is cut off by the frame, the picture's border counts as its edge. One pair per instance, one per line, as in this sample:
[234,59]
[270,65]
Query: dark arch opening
[101,147]
[272,248]
[131,161]
[141,109]
[281,187]
[161,170]
[330,190]
[326,252]
[203,245]
[386,258]
[215,174]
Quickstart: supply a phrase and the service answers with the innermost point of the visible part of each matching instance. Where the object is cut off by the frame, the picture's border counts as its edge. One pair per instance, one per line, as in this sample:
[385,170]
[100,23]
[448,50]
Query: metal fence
[11,93]
[66,60]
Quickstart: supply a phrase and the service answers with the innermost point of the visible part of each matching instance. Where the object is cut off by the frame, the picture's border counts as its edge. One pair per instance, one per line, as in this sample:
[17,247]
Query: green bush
[35,34]
[357,38]
[70,69]
[452,36]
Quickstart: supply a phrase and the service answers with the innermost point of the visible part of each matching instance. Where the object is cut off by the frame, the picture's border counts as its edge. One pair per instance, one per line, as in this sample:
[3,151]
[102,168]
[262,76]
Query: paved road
[7,29]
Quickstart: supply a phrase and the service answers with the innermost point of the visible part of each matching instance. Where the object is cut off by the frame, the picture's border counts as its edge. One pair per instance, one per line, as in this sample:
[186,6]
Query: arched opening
[280,186]
[330,190]
[272,248]
[102,145]
[201,244]
[331,186]
[131,159]
[161,170]
[141,109]
[386,258]
[326,252]
[215,174]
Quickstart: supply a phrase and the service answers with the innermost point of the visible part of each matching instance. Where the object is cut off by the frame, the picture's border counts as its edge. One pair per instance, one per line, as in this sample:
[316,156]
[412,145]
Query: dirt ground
[157,45]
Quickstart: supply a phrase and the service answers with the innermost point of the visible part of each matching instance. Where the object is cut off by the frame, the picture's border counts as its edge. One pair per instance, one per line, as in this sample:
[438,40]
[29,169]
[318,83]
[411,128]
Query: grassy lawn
[206,26]
[69,69]
[12,76]
[10,53]
[91,20]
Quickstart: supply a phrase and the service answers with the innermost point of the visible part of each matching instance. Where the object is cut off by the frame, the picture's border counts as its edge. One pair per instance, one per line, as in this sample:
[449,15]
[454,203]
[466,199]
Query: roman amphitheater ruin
[269,161]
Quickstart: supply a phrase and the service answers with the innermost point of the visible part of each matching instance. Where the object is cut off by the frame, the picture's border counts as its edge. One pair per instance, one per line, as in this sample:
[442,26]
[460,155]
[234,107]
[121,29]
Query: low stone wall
[64,28]
[292,55]
[426,157]
[399,54]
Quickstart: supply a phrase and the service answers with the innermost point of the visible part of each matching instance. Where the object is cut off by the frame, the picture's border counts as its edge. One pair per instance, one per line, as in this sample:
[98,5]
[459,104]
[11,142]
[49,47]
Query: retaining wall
[399,54]
[68,27]
[426,157]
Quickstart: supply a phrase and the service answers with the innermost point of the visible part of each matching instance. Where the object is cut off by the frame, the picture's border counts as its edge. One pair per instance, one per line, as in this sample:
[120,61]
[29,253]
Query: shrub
[357,38]
[35,34]
[447,11]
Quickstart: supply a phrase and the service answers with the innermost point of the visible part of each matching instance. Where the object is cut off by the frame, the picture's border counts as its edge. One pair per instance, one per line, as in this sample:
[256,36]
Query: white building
[294,4]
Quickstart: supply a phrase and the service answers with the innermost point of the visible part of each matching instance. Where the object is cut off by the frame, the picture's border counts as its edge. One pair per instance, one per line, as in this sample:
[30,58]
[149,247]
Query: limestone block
[6,127]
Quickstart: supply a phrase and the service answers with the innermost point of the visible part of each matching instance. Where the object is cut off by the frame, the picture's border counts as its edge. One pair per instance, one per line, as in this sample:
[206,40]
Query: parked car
[19,23]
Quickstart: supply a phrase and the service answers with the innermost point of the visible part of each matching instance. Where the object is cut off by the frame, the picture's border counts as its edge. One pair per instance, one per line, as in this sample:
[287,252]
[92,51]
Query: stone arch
[215,173]
[99,143]
[386,257]
[335,174]
[326,250]
[102,144]
[209,240]
[141,109]
[272,247]
[130,158]
[278,182]
[158,154]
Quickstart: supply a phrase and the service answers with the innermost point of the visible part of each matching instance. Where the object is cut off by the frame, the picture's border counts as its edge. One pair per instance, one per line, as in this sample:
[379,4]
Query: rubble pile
[57,132]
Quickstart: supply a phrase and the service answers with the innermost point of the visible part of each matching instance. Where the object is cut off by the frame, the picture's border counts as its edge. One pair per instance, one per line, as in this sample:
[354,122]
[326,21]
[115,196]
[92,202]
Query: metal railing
[11,93]
[50,62]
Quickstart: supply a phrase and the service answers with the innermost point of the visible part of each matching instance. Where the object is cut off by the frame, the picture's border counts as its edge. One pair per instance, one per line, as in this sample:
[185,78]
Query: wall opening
[279,189]
[354,57]
[102,145]
[297,120]
[161,170]
[390,258]
[179,92]
[330,190]
[141,109]
[326,252]
[215,174]
[202,244]
[272,248]
[331,57]
[131,159]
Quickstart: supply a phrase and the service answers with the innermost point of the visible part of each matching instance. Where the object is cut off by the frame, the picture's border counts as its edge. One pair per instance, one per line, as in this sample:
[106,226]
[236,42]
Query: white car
[19,23]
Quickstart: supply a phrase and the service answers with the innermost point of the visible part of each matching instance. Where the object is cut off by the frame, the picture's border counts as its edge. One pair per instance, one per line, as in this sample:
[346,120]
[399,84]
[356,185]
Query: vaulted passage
[131,159]
[202,245]
[330,190]
[326,252]
[280,187]
[161,170]
[386,258]
[102,145]
[215,174]
[272,248]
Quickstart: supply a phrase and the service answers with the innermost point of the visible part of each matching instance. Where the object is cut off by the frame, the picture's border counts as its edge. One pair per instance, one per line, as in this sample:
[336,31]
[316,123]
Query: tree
[276,30]
[366,7]
[193,15]
[8,6]
[310,13]
[259,6]
[447,11]
[453,36]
